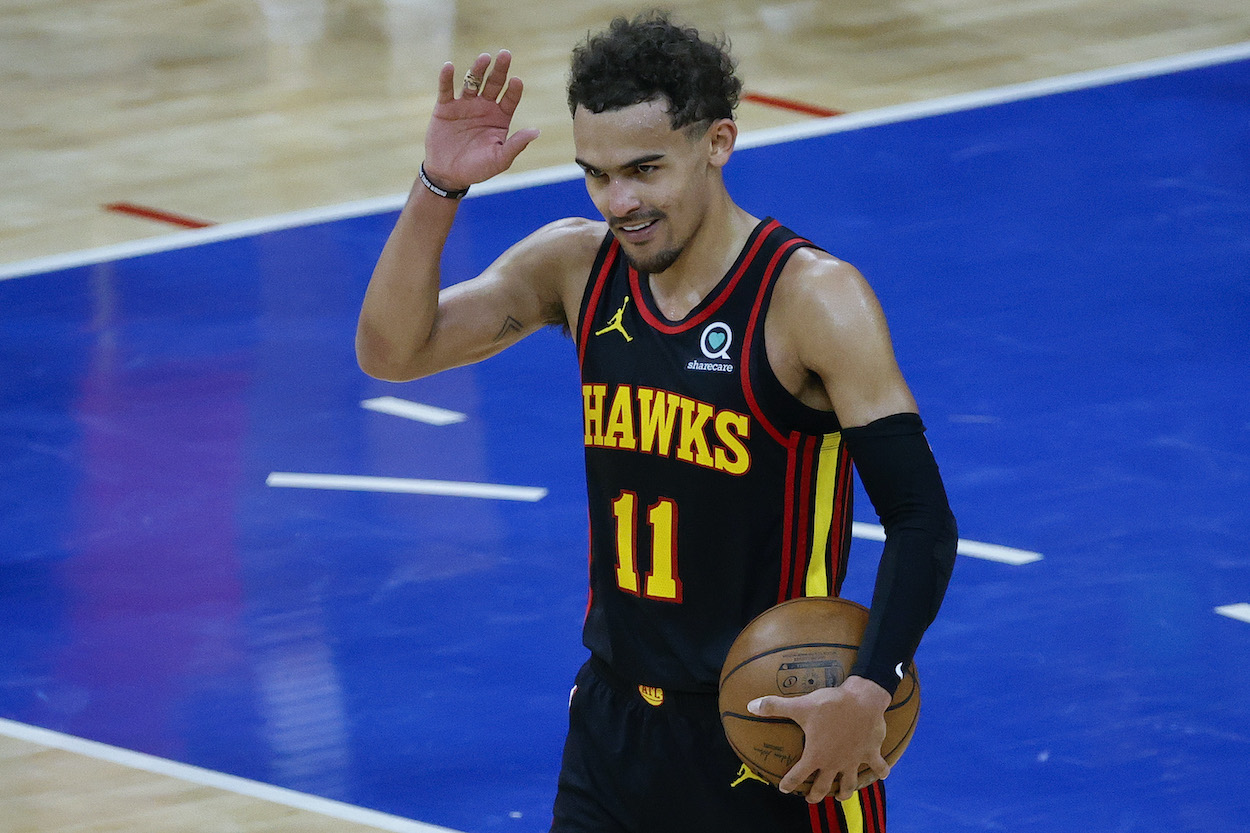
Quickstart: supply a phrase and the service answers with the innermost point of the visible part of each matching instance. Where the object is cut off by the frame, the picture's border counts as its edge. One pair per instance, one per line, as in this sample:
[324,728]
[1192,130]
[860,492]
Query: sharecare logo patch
[714,343]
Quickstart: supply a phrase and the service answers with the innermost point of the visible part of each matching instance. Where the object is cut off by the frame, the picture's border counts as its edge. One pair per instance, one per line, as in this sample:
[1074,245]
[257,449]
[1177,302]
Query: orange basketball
[794,648]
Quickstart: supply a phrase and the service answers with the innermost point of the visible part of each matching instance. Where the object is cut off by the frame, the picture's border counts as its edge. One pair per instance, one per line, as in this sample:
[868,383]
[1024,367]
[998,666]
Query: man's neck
[707,257]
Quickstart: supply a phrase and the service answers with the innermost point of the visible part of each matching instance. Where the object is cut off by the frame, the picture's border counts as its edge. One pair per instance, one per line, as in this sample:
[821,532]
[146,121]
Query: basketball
[794,648]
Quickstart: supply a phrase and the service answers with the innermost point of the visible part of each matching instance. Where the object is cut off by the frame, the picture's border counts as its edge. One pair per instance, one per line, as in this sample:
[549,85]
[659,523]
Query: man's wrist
[868,691]
[439,188]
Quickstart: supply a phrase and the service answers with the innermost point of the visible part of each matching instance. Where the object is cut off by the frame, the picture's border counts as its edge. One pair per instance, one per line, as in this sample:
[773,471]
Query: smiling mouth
[635,226]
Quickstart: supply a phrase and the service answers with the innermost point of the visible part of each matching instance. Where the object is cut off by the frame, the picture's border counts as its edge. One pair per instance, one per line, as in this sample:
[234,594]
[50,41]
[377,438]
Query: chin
[655,263]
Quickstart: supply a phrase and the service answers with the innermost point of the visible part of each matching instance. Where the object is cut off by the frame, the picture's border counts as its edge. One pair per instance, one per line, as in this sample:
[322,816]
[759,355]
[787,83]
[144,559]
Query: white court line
[216,780]
[562,173]
[413,410]
[403,485]
[357,483]
[996,95]
[1241,611]
[972,549]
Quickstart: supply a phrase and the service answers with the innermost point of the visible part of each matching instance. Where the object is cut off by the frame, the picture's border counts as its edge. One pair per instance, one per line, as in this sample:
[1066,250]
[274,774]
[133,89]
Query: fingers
[511,97]
[797,777]
[487,85]
[498,75]
[446,75]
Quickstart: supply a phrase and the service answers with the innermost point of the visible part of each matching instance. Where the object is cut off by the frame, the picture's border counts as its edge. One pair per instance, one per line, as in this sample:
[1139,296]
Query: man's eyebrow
[633,163]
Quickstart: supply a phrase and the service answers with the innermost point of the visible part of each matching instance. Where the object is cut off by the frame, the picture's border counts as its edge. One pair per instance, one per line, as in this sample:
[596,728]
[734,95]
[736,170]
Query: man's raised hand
[467,141]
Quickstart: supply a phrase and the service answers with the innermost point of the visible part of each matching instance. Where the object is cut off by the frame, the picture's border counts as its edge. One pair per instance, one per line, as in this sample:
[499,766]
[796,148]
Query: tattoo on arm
[510,325]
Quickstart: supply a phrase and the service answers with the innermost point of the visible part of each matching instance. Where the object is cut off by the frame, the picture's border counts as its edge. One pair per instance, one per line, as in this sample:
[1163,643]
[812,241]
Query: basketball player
[732,371]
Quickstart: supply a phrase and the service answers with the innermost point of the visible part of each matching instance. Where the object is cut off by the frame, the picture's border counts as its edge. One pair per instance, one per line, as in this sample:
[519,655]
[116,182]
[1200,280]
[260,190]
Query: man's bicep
[479,317]
[847,344]
[527,288]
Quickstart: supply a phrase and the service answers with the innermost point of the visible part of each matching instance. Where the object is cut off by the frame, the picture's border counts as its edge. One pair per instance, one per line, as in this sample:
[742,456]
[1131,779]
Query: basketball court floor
[229,558]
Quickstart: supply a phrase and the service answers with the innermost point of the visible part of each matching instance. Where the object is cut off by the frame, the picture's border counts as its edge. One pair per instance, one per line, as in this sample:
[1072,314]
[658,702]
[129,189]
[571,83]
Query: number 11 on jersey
[662,583]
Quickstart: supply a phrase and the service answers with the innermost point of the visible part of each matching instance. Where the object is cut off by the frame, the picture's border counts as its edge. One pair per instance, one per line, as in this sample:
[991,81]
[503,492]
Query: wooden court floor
[227,110]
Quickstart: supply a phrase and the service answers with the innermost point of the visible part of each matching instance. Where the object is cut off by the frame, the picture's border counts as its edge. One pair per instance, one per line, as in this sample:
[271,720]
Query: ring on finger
[471,82]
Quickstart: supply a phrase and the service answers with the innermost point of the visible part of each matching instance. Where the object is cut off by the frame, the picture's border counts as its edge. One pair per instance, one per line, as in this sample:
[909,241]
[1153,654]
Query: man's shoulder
[564,249]
[554,262]
[812,272]
[570,236]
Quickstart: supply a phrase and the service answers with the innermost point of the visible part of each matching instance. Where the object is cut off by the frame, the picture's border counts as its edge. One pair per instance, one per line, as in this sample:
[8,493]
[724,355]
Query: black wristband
[442,192]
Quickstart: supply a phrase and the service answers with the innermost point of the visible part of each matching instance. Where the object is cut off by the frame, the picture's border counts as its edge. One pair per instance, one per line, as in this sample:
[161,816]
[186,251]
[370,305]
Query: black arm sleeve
[902,480]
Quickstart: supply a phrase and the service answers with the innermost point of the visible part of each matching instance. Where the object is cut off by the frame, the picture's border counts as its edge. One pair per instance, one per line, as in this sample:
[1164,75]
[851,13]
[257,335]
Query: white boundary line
[972,549]
[562,173]
[406,408]
[403,485]
[217,780]
[1240,612]
[998,95]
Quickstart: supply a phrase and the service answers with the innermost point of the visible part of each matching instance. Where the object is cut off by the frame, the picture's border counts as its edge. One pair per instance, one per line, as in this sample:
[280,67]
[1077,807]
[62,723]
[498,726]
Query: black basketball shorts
[634,767]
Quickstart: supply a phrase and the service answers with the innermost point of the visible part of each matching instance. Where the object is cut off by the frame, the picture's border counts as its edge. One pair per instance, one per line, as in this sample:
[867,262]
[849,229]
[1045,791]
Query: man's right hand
[467,141]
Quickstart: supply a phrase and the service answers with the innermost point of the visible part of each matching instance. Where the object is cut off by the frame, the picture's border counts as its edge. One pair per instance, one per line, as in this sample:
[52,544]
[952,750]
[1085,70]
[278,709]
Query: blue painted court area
[1068,283]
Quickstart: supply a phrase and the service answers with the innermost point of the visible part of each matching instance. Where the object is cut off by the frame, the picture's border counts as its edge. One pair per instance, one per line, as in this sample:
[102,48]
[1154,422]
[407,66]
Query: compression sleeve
[901,479]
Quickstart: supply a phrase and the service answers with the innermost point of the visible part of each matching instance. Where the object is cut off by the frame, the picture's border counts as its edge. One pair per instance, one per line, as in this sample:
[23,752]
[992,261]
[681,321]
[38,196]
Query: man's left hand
[843,728]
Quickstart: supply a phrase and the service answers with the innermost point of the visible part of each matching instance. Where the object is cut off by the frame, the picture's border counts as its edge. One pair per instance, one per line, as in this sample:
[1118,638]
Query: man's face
[650,182]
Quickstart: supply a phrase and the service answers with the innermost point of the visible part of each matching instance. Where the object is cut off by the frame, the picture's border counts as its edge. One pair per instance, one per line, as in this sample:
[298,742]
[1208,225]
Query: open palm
[467,141]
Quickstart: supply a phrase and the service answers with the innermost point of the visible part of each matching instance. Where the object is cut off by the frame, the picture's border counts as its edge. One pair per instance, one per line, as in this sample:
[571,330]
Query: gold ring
[472,82]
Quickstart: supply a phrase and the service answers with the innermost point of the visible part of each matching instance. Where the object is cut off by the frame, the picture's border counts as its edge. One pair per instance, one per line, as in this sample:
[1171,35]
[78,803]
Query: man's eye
[646,169]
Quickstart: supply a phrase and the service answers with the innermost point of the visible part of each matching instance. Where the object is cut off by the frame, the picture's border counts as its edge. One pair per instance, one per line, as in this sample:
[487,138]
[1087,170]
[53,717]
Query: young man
[731,371]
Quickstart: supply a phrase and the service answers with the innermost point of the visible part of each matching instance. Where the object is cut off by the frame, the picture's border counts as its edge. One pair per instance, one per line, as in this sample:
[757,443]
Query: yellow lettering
[657,411]
[624,508]
[693,447]
[620,433]
[704,435]
[731,429]
[592,412]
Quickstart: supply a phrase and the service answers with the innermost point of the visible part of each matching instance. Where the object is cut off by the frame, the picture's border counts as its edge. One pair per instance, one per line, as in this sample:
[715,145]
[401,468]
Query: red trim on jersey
[747,340]
[875,807]
[828,816]
[837,527]
[672,329]
[802,532]
[601,281]
[819,823]
[787,527]
[590,559]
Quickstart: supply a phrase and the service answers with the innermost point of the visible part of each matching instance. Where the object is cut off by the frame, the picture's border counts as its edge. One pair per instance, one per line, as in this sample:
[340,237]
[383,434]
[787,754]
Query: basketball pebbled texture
[794,648]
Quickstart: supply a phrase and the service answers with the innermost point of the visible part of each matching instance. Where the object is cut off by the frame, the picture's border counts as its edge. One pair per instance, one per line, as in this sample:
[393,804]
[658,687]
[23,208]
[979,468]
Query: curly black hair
[651,57]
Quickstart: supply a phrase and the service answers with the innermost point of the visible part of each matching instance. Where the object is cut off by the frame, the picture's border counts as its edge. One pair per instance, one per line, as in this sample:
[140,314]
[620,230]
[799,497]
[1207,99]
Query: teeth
[638,227]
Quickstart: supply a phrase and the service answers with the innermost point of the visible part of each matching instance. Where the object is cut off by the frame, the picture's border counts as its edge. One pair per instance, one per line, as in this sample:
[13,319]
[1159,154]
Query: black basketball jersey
[714,493]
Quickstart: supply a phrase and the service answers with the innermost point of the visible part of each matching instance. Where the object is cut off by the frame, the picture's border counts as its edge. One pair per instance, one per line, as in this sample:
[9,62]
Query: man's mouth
[636,227]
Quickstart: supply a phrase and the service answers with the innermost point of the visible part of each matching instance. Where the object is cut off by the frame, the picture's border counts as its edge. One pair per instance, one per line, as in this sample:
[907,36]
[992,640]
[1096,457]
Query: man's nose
[622,199]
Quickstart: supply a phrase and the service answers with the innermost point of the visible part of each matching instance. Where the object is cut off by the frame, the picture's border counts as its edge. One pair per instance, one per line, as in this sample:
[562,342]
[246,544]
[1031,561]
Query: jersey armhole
[780,409]
[596,281]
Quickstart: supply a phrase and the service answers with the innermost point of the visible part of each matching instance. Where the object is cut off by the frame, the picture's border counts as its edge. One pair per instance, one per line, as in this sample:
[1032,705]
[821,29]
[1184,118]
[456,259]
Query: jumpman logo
[745,774]
[614,323]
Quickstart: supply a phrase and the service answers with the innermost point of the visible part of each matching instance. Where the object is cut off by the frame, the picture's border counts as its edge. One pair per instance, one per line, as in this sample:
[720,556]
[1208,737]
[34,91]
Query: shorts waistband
[686,702]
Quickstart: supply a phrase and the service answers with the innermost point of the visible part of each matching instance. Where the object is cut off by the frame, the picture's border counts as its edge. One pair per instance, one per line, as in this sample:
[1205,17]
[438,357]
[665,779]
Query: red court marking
[155,214]
[788,104]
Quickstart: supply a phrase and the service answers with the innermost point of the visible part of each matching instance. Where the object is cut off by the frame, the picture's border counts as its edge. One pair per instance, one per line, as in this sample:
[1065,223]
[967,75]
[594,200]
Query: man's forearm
[401,302]
[901,478]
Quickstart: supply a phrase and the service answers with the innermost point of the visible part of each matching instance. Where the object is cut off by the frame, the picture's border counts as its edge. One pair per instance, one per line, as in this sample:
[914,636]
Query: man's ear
[722,136]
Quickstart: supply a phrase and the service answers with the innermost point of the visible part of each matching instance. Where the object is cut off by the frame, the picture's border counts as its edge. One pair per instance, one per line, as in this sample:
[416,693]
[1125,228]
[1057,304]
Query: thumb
[518,142]
[767,706]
